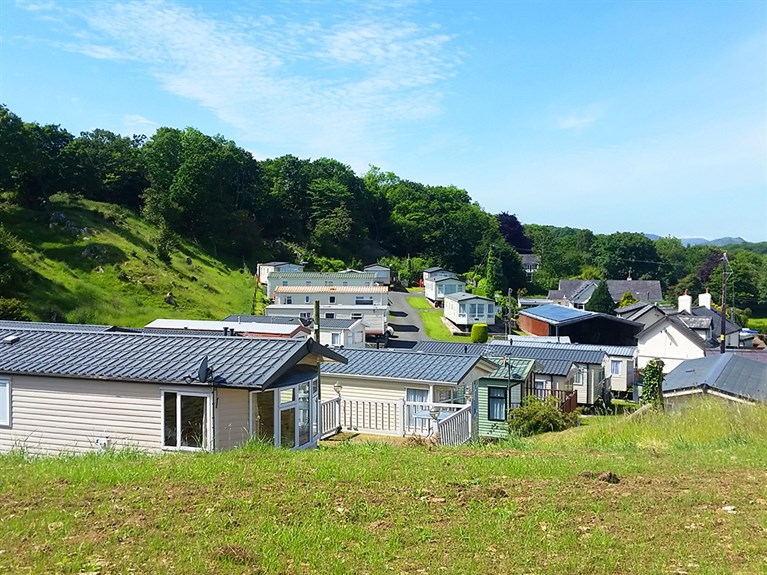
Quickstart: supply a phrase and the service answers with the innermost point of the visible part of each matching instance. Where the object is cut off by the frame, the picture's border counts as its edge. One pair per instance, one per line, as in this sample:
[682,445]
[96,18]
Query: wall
[52,415]
[532,325]
[666,342]
[231,418]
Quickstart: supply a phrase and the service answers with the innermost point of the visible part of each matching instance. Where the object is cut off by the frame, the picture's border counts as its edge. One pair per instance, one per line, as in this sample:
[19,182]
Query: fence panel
[456,428]
[329,417]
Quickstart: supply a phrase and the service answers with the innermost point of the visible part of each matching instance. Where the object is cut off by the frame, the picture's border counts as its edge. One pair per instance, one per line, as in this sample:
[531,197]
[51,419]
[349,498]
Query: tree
[627,299]
[513,232]
[622,253]
[600,300]
[671,254]
[14,309]
[107,167]
[652,383]
[494,274]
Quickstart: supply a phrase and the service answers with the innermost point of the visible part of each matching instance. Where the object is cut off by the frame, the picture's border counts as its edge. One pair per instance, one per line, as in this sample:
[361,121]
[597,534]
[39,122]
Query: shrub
[165,244]
[11,308]
[536,416]
[652,382]
[479,333]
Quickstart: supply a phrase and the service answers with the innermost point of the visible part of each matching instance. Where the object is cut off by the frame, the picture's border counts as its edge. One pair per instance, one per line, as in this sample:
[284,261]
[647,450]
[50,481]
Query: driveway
[407,324]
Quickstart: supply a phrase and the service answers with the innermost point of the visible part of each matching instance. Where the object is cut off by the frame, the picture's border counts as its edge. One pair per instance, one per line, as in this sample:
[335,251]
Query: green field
[758,324]
[420,303]
[691,498]
[107,271]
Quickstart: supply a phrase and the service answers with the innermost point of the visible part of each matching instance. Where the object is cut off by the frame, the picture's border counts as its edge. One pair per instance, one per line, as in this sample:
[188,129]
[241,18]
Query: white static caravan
[465,309]
[69,391]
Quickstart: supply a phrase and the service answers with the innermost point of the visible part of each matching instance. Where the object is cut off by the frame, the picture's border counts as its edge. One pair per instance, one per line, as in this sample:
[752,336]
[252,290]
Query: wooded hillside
[189,191]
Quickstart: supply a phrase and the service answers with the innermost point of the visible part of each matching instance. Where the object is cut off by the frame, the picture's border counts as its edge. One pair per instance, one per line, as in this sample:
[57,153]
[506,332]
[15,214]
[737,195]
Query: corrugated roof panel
[245,362]
[403,365]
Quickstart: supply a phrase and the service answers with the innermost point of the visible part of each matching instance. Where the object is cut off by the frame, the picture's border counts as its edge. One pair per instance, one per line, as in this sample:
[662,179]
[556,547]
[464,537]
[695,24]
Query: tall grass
[704,424]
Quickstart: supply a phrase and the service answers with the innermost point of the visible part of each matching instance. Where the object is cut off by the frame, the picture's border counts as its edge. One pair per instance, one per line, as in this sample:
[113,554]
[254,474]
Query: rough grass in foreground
[698,506]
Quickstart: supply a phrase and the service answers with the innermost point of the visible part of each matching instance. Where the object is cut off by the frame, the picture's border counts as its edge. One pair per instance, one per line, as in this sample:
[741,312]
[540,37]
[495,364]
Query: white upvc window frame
[279,407]
[615,367]
[580,376]
[5,393]
[208,424]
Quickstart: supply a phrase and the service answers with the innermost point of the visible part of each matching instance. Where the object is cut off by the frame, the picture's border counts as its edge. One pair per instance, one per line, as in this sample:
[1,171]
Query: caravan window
[185,420]
[496,403]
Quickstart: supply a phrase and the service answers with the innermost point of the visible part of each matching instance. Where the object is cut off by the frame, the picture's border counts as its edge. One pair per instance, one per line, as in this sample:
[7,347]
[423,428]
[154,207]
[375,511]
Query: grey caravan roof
[552,360]
[611,350]
[400,364]
[255,363]
[728,373]
[242,318]
[10,324]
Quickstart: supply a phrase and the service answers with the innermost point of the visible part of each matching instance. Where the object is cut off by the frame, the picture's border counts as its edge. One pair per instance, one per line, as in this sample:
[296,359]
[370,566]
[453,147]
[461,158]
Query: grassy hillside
[90,262]
[691,498]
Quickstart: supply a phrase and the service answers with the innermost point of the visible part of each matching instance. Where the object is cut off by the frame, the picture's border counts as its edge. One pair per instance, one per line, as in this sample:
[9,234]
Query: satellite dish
[202,371]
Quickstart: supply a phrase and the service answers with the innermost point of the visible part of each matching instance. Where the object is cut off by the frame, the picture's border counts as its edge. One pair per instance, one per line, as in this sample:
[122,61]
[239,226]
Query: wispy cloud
[138,124]
[323,87]
[580,120]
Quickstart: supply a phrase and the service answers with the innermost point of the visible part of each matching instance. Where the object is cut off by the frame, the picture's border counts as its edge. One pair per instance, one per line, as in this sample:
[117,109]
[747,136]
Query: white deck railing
[330,421]
[456,428]
[399,418]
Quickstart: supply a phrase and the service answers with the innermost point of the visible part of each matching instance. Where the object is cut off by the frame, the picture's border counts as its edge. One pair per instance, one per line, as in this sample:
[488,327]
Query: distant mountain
[687,242]
[726,241]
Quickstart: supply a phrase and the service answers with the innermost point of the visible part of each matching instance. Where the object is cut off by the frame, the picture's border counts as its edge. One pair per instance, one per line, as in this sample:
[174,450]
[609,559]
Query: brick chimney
[685,302]
[704,299]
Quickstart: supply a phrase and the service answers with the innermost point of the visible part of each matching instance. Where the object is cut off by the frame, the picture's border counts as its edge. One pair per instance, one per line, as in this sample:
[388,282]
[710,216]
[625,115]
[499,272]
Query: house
[321,279]
[344,333]
[389,392]
[436,271]
[334,332]
[725,376]
[559,368]
[670,340]
[367,303]
[641,312]
[263,270]
[437,287]
[79,391]
[580,325]
[531,264]
[465,309]
[619,361]
[497,393]
[576,293]
[247,329]
[706,321]
[382,273]
[684,333]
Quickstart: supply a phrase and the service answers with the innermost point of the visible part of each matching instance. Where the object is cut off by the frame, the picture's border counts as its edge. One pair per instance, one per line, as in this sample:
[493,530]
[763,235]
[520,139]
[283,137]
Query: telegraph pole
[723,329]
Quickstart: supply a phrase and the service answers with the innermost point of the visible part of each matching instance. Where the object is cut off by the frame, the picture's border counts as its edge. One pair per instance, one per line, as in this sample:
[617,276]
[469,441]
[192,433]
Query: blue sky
[612,116]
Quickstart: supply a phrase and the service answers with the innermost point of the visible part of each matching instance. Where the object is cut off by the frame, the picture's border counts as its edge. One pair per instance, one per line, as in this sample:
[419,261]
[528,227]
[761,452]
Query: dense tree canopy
[210,190]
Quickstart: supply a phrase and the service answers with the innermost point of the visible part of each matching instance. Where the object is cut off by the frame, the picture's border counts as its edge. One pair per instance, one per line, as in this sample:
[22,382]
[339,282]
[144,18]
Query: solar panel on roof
[555,312]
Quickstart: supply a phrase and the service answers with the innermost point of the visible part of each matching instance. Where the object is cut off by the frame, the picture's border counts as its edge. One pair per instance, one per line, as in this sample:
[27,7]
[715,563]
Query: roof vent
[11,339]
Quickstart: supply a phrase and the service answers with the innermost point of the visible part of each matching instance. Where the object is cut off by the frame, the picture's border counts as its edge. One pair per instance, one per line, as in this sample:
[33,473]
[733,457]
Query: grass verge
[698,506]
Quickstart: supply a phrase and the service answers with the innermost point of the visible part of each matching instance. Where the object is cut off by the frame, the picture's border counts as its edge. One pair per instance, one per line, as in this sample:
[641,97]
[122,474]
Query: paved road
[407,324]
